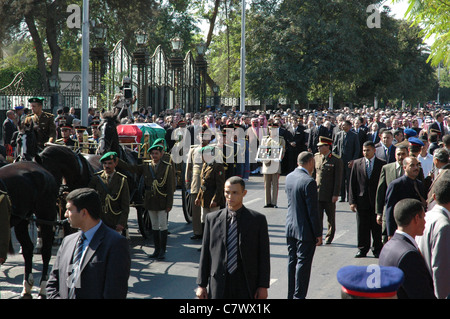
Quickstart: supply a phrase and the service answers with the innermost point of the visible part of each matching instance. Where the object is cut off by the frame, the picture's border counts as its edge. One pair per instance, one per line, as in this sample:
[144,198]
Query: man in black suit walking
[402,251]
[407,186]
[234,262]
[346,145]
[9,127]
[303,225]
[316,131]
[362,196]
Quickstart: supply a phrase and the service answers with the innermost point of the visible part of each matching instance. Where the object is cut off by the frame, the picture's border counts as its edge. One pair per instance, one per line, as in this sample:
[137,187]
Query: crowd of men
[370,158]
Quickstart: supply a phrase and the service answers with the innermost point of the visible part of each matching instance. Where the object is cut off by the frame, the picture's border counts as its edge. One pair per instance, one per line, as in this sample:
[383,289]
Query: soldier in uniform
[94,138]
[159,183]
[211,194]
[112,187]
[271,169]
[193,181]
[65,139]
[42,122]
[328,175]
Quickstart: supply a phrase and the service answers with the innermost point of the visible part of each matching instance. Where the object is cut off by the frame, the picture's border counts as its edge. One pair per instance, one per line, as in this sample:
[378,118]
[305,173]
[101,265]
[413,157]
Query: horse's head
[27,143]
[109,139]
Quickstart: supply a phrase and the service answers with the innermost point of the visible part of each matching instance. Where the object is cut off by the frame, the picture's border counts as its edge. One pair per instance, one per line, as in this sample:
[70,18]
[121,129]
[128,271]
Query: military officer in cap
[112,187]
[66,139]
[211,194]
[271,169]
[328,175]
[42,122]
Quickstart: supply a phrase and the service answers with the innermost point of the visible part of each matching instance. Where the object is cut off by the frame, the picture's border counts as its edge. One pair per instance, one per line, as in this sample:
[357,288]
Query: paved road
[174,278]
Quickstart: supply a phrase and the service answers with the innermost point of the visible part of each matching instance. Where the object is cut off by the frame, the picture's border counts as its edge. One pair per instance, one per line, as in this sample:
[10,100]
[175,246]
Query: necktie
[369,168]
[232,244]
[78,252]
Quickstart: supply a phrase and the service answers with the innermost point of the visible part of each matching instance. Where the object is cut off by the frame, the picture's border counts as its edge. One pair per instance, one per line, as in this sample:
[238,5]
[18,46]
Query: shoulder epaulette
[99,172]
[120,174]
[335,155]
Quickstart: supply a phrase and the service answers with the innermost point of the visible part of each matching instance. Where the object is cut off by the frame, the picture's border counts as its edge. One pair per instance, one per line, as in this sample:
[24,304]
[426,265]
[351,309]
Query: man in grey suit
[434,243]
[346,145]
[389,172]
[105,262]
[303,225]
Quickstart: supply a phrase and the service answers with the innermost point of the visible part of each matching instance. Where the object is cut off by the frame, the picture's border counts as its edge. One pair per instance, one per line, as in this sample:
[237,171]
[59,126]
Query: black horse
[109,142]
[33,191]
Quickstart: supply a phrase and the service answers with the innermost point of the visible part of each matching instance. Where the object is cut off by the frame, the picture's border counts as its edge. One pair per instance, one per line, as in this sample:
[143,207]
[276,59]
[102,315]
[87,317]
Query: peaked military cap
[370,281]
[415,141]
[323,140]
[36,100]
[410,132]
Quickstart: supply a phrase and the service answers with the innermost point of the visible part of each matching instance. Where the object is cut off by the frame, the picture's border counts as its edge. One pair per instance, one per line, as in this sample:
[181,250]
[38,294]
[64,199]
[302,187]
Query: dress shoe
[196,237]
[360,254]
[268,206]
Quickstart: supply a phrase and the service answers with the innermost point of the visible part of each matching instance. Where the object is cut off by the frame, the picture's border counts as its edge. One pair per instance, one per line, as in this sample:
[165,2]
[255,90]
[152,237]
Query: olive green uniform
[44,126]
[328,175]
[212,187]
[115,198]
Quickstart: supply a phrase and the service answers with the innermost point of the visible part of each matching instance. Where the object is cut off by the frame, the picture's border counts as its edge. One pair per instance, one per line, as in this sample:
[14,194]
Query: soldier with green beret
[112,187]
[159,182]
[42,122]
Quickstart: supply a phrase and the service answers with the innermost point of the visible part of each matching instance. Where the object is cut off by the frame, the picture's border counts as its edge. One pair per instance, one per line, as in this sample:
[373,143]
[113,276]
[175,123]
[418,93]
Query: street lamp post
[215,89]
[202,67]
[99,57]
[141,57]
[176,62]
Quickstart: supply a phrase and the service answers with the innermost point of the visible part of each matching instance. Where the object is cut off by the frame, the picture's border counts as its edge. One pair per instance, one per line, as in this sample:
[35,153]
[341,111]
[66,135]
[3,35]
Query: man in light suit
[389,173]
[362,195]
[346,145]
[303,225]
[105,263]
[402,251]
[251,276]
[434,243]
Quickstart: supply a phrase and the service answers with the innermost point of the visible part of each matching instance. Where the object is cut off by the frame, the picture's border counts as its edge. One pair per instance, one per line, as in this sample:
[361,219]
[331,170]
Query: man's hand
[201,293]
[261,293]
[379,219]
[319,241]
[334,199]
[353,207]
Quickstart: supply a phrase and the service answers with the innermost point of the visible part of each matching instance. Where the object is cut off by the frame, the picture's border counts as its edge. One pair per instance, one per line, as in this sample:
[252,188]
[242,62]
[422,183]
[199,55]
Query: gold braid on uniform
[109,199]
[156,185]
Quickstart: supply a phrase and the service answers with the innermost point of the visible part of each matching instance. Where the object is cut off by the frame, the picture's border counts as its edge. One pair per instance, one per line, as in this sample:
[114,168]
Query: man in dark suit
[318,130]
[439,125]
[105,262]
[9,127]
[361,132]
[402,251]
[407,186]
[303,225]
[362,195]
[236,268]
[385,150]
[346,145]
